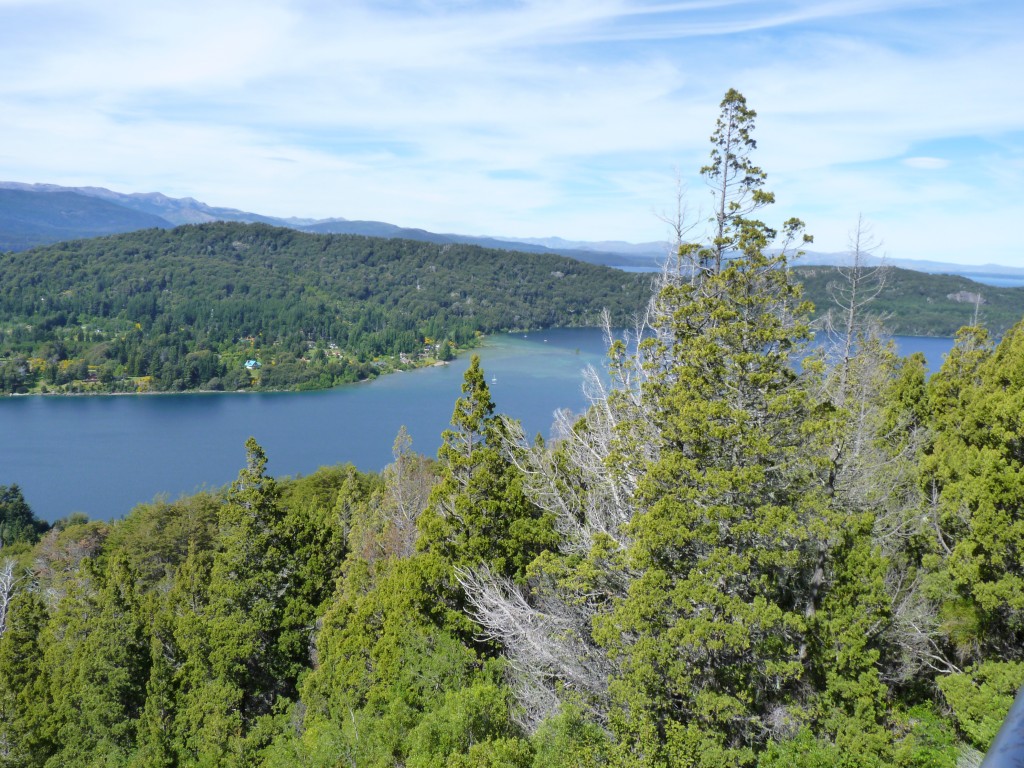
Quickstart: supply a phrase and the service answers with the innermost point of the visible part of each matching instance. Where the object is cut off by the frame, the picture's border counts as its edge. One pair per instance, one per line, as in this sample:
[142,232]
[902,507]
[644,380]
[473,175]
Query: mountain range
[41,214]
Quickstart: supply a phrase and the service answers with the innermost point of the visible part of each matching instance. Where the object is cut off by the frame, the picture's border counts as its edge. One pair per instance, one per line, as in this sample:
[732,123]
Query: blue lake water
[985,278]
[102,455]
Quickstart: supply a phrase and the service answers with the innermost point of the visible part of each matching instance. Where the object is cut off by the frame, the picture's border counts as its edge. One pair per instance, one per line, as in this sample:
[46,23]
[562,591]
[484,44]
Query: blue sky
[529,119]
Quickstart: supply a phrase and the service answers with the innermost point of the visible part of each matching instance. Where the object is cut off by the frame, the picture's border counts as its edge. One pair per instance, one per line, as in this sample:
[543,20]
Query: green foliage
[921,304]
[752,565]
[975,476]
[186,309]
[922,740]
[470,727]
[981,697]
[905,406]
[157,537]
[96,663]
[17,522]
[710,631]
[314,544]
[802,751]
[734,179]
[925,740]
[248,582]
[25,733]
[385,660]
[479,513]
[569,740]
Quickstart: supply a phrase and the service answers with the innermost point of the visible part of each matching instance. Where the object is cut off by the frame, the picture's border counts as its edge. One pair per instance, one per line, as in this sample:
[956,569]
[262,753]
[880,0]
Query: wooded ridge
[913,303]
[189,308]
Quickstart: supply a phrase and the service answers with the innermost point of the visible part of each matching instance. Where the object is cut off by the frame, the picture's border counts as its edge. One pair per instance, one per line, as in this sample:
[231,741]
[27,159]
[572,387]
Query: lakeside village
[246,368]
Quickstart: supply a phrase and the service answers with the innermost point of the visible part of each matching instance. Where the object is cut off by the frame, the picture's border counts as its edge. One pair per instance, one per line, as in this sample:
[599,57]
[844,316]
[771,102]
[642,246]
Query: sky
[533,118]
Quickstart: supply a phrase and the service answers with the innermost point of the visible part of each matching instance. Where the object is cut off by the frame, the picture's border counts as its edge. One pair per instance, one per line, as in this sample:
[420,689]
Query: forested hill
[187,308]
[921,304]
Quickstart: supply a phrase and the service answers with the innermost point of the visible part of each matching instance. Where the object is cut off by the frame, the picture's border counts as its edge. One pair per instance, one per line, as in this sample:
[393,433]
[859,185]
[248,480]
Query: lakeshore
[103,455]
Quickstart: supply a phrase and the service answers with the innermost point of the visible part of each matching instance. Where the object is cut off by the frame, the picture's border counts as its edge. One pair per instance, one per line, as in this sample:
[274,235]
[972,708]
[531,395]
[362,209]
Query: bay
[101,455]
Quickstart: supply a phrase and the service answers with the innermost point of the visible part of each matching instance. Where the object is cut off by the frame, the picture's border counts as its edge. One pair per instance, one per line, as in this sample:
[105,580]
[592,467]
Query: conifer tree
[975,477]
[735,182]
[710,567]
[233,670]
[25,740]
[188,651]
[155,744]
[17,522]
[247,587]
[479,513]
[711,630]
[97,663]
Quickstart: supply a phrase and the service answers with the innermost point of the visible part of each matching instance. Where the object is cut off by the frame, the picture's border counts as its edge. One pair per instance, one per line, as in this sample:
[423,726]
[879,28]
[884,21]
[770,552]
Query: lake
[985,278]
[103,454]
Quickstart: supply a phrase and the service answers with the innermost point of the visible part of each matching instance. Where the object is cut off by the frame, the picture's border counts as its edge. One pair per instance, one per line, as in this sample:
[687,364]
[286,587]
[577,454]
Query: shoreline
[435,364]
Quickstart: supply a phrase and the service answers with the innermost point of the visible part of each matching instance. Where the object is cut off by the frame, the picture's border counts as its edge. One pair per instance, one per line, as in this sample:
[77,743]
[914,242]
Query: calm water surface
[103,455]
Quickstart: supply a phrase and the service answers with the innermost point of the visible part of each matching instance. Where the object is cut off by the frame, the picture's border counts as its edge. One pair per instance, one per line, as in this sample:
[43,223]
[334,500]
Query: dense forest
[184,309]
[746,552]
[915,303]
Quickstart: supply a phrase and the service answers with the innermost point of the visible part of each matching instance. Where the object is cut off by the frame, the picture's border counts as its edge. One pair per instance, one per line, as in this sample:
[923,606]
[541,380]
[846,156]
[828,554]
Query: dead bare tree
[388,527]
[10,579]
[587,478]
[682,259]
[547,642]
[408,482]
[860,283]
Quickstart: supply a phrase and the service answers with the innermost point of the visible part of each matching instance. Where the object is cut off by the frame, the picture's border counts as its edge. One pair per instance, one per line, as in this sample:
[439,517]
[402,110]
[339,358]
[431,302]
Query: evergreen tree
[229,613]
[479,513]
[711,569]
[25,740]
[735,182]
[710,632]
[97,663]
[248,583]
[17,522]
[975,477]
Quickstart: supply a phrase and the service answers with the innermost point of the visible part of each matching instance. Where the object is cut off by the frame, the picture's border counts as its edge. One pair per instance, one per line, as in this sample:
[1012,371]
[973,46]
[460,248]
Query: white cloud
[405,111]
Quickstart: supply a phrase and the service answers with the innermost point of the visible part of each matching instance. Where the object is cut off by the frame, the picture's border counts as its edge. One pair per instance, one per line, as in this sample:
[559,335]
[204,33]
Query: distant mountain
[29,219]
[40,214]
[975,271]
[655,250]
[173,211]
[25,231]
[382,229]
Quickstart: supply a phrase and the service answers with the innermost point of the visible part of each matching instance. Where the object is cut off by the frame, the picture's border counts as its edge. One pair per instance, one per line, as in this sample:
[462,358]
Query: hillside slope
[920,304]
[186,308]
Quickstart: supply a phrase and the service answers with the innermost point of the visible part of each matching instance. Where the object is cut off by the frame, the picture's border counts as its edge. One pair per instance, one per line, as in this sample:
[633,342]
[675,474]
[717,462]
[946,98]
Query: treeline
[188,308]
